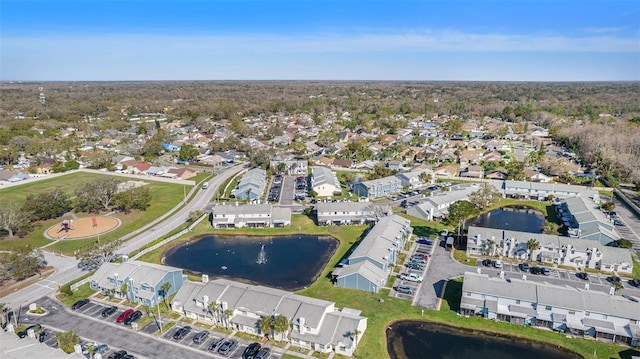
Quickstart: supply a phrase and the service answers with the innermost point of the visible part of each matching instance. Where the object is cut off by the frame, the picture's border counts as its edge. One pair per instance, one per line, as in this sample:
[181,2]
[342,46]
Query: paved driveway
[441,267]
[288,190]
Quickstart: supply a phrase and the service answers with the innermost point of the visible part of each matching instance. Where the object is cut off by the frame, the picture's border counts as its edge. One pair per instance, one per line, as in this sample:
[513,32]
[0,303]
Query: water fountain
[262,256]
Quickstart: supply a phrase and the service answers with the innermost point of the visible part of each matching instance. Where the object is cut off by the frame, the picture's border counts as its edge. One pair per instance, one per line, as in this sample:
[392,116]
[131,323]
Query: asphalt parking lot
[288,190]
[92,327]
[418,248]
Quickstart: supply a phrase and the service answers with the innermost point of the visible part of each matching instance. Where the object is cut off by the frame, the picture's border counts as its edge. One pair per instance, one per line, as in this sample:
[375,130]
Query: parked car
[404,289]
[100,349]
[108,311]
[415,266]
[124,315]
[182,332]
[424,241]
[118,355]
[418,260]
[251,351]
[43,336]
[227,347]
[128,356]
[24,332]
[613,278]
[582,275]
[263,353]
[79,304]
[201,337]
[618,222]
[635,282]
[486,262]
[133,317]
[497,264]
[413,277]
[420,255]
[524,267]
[535,270]
[546,271]
[216,344]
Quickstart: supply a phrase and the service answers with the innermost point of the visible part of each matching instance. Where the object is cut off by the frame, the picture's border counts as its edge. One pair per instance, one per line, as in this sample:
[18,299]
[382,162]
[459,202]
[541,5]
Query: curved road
[66,268]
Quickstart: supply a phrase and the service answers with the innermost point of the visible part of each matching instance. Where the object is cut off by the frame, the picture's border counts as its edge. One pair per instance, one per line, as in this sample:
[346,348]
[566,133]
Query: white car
[412,277]
[497,264]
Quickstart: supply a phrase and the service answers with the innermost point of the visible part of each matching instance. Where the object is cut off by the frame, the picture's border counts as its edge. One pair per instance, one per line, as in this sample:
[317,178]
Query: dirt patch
[83,228]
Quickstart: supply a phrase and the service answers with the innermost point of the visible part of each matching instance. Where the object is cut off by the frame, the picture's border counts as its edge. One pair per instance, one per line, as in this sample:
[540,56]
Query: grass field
[164,197]
[382,310]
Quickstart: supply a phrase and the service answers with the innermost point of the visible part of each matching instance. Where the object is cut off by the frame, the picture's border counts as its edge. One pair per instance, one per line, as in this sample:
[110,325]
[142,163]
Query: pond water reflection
[512,218]
[419,340]
[285,262]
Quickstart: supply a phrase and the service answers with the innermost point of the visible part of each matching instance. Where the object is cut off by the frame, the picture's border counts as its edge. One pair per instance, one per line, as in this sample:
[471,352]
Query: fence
[627,201]
[77,285]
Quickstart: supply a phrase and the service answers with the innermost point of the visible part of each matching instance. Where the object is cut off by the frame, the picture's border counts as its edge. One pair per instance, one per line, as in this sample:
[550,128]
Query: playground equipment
[65,226]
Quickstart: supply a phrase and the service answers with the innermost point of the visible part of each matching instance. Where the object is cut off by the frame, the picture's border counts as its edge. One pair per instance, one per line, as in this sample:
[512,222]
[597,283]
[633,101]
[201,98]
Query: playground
[80,228]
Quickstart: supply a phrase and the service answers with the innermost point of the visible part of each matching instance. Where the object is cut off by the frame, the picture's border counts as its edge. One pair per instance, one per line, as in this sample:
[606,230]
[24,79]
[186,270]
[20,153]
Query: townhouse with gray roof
[414,179]
[584,219]
[291,167]
[348,213]
[437,205]
[324,182]
[371,262]
[251,185]
[579,312]
[565,251]
[378,187]
[250,215]
[314,323]
[143,281]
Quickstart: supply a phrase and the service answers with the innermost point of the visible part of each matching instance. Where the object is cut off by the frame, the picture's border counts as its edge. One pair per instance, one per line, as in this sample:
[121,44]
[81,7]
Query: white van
[205,185]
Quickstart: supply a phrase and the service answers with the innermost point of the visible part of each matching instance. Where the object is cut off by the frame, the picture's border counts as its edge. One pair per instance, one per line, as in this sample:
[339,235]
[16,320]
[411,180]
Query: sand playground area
[80,228]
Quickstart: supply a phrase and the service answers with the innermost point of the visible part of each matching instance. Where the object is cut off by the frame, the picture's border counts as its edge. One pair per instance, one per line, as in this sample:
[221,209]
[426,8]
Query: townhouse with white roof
[262,215]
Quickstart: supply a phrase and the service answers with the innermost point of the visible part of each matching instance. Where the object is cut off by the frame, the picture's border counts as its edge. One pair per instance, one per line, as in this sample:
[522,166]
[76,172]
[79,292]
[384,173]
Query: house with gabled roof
[251,185]
[262,215]
[378,187]
[446,171]
[348,213]
[324,181]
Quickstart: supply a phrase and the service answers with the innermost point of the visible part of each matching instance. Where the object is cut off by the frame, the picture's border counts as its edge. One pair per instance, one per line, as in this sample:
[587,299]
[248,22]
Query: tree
[608,206]
[136,198]
[515,171]
[67,340]
[298,148]
[379,171]
[96,195]
[214,309]
[4,315]
[624,243]
[426,177]
[12,218]
[227,316]
[461,210]
[532,245]
[47,205]
[104,251]
[165,288]
[188,152]
[266,324]
[281,325]
[485,196]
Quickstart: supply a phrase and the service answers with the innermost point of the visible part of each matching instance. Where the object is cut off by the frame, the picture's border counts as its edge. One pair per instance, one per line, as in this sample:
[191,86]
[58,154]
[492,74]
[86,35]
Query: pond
[514,218]
[418,340]
[285,262]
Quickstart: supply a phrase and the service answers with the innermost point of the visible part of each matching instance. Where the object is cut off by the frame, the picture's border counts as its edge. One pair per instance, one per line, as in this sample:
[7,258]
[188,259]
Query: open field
[164,197]
[382,310]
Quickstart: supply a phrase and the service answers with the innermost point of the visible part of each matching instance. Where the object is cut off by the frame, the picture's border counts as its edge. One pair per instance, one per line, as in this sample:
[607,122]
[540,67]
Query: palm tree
[227,315]
[214,308]
[266,324]
[67,340]
[281,325]
[165,288]
[532,245]
[354,334]
[123,290]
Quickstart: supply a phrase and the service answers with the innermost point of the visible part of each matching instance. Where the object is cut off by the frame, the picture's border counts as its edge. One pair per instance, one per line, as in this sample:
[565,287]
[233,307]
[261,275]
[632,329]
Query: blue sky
[475,40]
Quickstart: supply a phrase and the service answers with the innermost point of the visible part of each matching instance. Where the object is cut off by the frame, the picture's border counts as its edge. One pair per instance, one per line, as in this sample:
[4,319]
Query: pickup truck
[413,277]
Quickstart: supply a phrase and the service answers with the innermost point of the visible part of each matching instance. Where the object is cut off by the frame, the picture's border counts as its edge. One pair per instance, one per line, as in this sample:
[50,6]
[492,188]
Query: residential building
[580,312]
[584,219]
[537,190]
[14,347]
[378,187]
[251,186]
[12,176]
[570,252]
[324,181]
[250,215]
[437,205]
[292,167]
[414,179]
[348,213]
[446,171]
[139,282]
[315,324]
[472,172]
[371,262]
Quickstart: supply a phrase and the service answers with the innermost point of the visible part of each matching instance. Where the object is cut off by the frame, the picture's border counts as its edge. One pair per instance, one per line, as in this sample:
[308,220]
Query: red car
[126,314]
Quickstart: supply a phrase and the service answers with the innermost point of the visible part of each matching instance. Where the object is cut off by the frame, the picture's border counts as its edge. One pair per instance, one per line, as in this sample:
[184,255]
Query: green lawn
[164,197]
